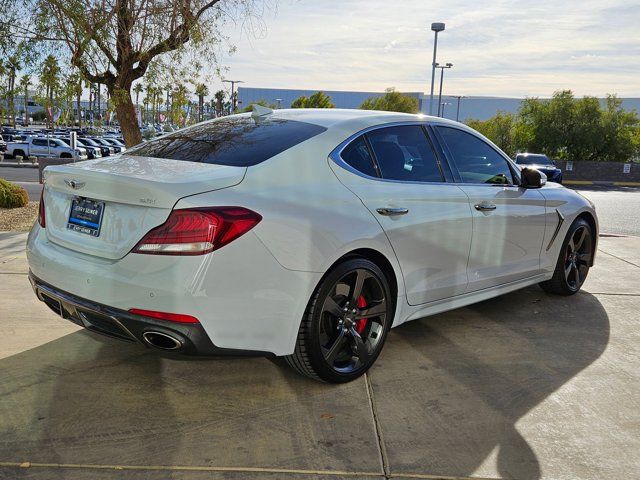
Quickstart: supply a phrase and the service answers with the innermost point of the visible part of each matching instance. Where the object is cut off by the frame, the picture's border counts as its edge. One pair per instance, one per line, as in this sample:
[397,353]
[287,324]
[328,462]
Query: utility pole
[233,96]
[436,27]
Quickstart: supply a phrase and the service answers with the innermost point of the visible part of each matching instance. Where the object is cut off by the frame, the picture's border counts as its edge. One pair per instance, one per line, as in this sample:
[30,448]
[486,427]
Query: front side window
[240,141]
[39,143]
[404,153]
[476,160]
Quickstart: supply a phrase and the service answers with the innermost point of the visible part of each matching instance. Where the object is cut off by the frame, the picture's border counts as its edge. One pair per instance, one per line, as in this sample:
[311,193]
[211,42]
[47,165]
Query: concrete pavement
[523,386]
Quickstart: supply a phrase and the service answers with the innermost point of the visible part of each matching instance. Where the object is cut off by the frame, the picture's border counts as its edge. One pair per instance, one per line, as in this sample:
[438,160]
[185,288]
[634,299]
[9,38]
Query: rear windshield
[240,141]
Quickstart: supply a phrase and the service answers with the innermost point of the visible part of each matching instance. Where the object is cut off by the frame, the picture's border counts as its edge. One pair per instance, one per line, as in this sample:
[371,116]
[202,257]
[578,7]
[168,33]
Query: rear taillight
[198,231]
[170,317]
[41,218]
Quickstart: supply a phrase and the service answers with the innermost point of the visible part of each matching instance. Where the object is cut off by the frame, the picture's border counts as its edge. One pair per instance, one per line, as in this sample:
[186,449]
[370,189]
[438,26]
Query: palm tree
[179,101]
[25,82]
[201,91]
[219,96]
[157,103]
[13,65]
[3,72]
[74,89]
[49,79]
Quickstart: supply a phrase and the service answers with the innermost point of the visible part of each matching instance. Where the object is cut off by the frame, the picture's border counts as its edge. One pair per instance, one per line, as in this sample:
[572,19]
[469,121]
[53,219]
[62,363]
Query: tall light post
[233,97]
[458,110]
[444,104]
[436,27]
[441,67]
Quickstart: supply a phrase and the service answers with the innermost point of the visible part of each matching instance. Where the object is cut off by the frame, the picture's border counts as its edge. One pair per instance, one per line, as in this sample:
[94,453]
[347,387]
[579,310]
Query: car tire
[18,153]
[574,260]
[337,343]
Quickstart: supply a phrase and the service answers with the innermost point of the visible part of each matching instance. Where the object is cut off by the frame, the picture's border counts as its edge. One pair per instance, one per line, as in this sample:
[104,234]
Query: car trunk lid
[138,194]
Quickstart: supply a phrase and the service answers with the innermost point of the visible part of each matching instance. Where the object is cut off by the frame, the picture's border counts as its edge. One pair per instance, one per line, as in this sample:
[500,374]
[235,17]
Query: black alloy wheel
[574,261]
[346,323]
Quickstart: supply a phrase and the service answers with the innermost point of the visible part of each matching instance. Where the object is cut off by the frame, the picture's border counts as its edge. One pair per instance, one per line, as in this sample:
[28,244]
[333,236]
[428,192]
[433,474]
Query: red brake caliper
[362,323]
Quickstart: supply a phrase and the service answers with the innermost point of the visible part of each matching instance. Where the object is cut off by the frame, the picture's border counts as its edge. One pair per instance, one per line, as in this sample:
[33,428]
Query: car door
[398,177]
[508,220]
[38,147]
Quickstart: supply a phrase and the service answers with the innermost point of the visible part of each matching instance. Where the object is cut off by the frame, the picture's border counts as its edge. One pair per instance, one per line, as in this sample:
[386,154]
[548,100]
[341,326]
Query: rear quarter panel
[310,220]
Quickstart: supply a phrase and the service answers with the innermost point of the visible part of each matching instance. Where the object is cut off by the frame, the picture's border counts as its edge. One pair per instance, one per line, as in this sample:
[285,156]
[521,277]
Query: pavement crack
[382,450]
[622,259]
[616,294]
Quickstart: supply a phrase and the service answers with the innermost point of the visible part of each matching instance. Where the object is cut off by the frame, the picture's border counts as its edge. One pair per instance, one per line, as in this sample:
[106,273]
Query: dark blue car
[542,163]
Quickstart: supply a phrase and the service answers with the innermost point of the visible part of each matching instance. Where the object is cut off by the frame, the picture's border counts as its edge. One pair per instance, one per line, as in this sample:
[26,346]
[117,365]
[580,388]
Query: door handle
[485,207]
[390,212]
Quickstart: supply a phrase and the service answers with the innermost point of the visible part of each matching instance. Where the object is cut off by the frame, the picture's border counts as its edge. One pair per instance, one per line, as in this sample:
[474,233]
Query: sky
[498,48]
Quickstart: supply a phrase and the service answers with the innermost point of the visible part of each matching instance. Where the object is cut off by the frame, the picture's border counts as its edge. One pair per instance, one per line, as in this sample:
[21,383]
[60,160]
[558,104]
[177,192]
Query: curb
[601,182]
[18,165]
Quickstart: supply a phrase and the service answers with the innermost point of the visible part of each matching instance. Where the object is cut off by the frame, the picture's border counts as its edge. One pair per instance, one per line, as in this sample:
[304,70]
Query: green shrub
[11,195]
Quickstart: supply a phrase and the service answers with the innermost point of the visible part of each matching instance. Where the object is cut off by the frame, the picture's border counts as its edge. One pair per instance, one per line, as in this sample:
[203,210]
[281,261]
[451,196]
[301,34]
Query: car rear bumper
[190,339]
[243,298]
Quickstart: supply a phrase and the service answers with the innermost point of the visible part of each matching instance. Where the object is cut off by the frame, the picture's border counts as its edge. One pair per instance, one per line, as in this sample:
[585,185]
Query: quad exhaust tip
[162,341]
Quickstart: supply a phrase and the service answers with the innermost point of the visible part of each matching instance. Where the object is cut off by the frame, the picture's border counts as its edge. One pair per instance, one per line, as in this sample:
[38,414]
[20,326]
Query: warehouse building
[475,107]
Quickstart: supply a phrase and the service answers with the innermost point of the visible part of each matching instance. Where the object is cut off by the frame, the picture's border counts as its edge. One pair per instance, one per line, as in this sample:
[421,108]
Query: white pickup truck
[43,147]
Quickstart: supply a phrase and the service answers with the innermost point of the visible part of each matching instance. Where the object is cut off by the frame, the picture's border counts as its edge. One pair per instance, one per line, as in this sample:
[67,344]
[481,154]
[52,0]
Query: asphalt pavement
[618,207]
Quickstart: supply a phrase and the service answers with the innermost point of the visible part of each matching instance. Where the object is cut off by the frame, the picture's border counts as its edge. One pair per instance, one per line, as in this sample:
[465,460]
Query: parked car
[43,147]
[541,163]
[93,152]
[106,150]
[112,149]
[119,147]
[306,234]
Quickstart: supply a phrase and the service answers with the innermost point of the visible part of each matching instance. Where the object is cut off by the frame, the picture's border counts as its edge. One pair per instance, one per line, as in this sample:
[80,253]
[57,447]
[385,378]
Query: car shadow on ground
[88,399]
[448,391]
[451,388]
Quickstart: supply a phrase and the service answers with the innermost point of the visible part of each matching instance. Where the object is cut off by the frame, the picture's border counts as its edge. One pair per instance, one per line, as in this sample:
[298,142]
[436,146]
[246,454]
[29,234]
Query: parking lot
[522,386]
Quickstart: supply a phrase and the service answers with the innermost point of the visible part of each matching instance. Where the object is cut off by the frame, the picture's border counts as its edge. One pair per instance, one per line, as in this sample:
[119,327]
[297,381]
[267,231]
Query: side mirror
[532,178]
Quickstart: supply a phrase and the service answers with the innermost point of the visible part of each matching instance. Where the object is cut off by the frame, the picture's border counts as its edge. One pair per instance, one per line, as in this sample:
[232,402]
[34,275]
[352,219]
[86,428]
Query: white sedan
[306,234]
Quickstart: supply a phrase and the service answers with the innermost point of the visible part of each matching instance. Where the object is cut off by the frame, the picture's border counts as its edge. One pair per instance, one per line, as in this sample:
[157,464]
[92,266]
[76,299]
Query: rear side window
[236,141]
[404,153]
[357,155]
[476,160]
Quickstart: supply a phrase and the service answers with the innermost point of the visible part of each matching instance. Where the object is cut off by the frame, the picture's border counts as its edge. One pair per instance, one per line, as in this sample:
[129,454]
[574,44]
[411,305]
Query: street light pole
[444,104]
[441,67]
[233,97]
[436,27]
[458,110]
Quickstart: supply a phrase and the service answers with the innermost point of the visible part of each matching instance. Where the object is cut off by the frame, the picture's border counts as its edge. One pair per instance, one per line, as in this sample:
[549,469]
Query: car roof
[328,117]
